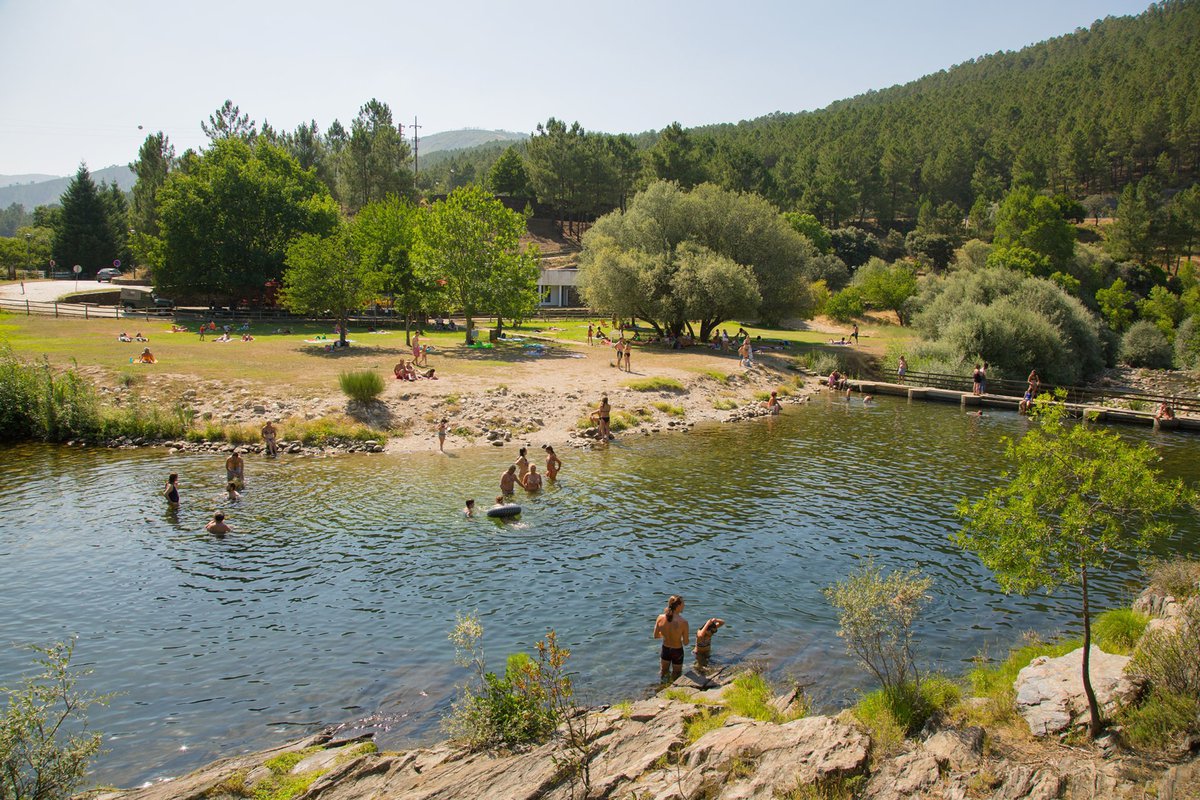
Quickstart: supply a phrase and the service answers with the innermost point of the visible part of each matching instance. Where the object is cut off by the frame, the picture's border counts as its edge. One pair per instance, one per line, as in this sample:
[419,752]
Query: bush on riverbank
[361,385]
[37,404]
[893,714]
[1118,630]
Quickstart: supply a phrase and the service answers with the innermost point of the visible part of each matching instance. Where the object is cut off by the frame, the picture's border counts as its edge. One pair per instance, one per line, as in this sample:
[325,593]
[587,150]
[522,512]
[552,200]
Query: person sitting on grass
[147,357]
[137,337]
[247,337]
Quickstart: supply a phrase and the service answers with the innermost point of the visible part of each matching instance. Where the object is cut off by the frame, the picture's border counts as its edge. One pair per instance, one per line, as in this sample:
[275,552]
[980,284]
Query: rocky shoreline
[642,750]
[406,414]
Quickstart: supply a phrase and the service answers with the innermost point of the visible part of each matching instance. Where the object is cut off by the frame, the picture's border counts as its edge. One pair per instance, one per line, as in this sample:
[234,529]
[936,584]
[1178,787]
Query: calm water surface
[332,601]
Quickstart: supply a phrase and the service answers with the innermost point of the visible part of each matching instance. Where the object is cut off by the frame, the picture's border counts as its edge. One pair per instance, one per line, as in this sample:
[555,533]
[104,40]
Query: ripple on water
[332,600]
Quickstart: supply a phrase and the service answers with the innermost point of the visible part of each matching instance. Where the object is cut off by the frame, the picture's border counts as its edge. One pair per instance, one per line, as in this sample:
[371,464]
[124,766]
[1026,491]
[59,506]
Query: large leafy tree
[83,234]
[470,244]
[886,287]
[228,217]
[1035,222]
[383,234]
[636,263]
[1076,496]
[376,160]
[326,276]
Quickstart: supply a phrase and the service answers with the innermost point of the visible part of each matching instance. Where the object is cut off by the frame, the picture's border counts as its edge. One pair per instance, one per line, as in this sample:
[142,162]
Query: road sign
[77,269]
[52,264]
[117,263]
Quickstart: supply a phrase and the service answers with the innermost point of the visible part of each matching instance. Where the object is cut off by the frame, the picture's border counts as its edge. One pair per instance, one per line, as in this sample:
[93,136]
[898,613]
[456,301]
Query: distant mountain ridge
[47,192]
[35,190]
[464,139]
[14,180]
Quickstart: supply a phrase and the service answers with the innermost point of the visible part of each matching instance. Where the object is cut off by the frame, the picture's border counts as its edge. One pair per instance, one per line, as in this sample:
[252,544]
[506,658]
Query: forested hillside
[1081,114]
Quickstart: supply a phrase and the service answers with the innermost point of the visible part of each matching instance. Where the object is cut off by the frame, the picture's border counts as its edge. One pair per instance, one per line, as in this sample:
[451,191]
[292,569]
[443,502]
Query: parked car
[107,274]
[132,298]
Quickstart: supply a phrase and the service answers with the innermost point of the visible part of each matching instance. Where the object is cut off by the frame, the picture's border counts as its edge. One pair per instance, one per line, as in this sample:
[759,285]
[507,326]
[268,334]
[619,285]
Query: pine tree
[82,234]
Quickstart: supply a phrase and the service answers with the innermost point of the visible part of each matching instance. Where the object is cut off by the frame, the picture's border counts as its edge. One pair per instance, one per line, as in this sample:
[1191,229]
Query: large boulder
[1050,690]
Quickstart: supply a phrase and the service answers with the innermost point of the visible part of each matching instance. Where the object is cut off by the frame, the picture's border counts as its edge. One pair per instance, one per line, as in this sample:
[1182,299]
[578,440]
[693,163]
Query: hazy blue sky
[79,77]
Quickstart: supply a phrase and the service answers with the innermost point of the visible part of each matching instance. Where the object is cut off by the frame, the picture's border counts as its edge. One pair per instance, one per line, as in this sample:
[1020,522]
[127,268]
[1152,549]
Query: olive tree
[644,262]
[1075,496]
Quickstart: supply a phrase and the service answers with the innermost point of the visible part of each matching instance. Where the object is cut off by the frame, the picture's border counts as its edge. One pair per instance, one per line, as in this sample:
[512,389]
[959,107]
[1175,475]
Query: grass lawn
[269,358]
[272,357]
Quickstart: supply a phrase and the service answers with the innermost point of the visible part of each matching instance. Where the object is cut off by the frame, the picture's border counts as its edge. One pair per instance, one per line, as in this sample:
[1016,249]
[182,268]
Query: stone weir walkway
[1092,413]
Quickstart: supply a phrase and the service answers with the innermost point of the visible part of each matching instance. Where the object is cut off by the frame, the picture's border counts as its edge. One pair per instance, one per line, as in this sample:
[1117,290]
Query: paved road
[44,291]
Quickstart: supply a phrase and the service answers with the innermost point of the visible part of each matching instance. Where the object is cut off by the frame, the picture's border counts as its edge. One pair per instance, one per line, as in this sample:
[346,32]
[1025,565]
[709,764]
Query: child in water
[469,509]
[703,648]
[231,492]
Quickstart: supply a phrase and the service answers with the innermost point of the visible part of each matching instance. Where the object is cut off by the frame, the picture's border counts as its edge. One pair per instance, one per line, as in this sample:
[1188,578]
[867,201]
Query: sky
[87,81]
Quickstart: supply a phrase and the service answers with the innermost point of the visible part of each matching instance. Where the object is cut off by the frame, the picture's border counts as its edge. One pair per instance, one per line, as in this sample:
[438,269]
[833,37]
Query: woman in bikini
[553,462]
[601,416]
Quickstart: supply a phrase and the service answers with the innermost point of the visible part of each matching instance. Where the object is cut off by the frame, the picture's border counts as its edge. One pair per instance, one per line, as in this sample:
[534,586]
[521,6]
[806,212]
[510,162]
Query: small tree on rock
[1076,495]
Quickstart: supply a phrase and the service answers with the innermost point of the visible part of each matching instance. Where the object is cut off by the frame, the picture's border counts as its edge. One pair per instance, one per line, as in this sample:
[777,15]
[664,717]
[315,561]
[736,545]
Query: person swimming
[469,509]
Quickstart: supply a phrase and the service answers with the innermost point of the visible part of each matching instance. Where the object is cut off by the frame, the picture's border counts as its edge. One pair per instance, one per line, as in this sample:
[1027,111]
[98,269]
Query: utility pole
[415,126]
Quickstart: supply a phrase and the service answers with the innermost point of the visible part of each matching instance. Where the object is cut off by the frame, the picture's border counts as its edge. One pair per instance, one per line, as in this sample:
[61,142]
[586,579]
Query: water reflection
[332,600]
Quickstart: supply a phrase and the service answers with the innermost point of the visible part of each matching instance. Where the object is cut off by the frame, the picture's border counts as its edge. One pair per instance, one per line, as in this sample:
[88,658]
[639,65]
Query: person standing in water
[672,628]
[553,463]
[217,526]
[171,490]
[235,468]
[269,434]
[469,509]
[601,416]
[522,464]
[508,480]
[532,481]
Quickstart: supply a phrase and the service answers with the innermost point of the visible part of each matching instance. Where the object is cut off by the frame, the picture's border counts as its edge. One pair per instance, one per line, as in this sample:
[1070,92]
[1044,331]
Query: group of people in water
[519,473]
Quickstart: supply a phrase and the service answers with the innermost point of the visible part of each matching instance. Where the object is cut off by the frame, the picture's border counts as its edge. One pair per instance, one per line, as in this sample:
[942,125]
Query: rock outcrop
[1050,690]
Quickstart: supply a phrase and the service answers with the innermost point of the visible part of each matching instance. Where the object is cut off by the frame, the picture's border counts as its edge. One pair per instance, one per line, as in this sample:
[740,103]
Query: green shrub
[1012,321]
[18,398]
[1145,345]
[901,711]
[361,385]
[724,404]
[1178,577]
[141,420]
[655,384]
[519,707]
[669,409]
[1118,630]
[45,744]
[876,614]
[820,362]
[1187,344]
[1162,720]
[1166,658]
[845,305]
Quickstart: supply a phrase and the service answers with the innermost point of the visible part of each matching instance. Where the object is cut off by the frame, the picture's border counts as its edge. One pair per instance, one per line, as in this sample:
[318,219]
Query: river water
[332,601]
